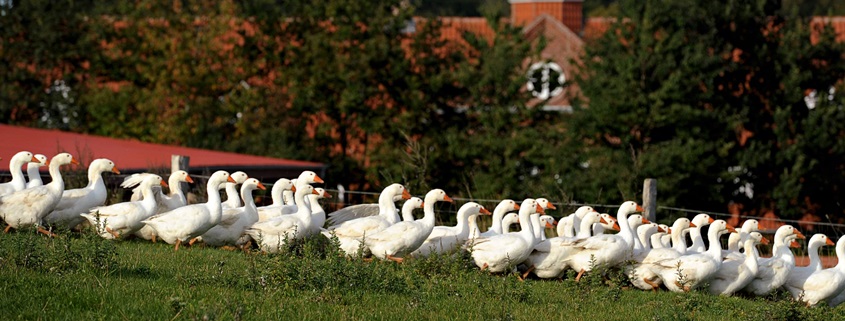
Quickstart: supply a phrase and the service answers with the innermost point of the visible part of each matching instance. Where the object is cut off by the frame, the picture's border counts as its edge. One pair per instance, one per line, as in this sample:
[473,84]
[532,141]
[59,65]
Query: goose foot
[46,232]
[246,246]
[395,259]
[654,286]
[484,267]
[177,245]
[115,234]
[7,229]
[580,274]
[525,275]
[686,288]
[192,241]
[154,238]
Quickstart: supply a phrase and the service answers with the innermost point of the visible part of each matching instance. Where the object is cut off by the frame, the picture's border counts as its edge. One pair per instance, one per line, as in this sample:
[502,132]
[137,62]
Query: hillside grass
[79,276]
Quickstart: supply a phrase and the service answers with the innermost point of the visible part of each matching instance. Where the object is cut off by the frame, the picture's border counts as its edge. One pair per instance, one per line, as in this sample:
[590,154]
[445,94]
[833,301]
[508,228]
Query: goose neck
[499,213]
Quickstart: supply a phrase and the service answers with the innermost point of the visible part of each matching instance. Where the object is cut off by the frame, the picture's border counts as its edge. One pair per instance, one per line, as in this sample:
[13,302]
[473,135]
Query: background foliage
[708,99]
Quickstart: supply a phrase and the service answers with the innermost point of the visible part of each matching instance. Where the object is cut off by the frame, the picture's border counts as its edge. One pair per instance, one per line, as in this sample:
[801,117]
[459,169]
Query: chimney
[569,12]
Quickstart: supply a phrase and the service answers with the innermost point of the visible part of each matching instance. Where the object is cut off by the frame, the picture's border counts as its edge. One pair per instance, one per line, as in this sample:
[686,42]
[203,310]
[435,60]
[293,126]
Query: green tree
[697,96]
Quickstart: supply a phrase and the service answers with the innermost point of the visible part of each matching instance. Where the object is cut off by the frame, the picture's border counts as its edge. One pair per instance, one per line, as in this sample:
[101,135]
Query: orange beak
[293,189]
[616,227]
[315,192]
[448,199]
[640,208]
[261,186]
[47,162]
[646,221]
[326,195]
[405,194]
[829,242]
[317,179]
[515,207]
[660,229]
[669,231]
[114,170]
[74,161]
[230,179]
[710,220]
[794,244]
[540,209]
[692,225]
[549,225]
[189,179]
[163,184]
[731,229]
[765,241]
[422,204]
[602,220]
[800,235]
[551,206]
[35,160]
[484,211]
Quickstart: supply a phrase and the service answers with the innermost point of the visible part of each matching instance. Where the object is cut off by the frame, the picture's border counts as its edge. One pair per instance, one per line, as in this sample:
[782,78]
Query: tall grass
[79,276]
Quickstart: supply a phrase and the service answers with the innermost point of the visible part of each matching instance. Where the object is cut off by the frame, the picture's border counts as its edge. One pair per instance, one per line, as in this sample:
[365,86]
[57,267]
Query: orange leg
[112,232]
[484,267]
[654,286]
[193,240]
[177,245]
[154,238]
[525,275]
[46,232]
[395,259]
[580,274]
[7,229]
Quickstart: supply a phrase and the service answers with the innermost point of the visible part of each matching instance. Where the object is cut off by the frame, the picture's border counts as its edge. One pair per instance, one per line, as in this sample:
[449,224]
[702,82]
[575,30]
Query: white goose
[827,284]
[304,178]
[32,170]
[734,275]
[610,250]
[272,235]
[567,225]
[385,208]
[689,271]
[445,239]
[700,221]
[318,214]
[610,224]
[500,253]
[188,222]
[641,274]
[773,271]
[275,210]
[27,207]
[402,238]
[350,233]
[18,181]
[799,274]
[505,206]
[508,220]
[81,200]
[119,219]
[548,258]
[171,201]
[235,220]
[735,240]
[233,200]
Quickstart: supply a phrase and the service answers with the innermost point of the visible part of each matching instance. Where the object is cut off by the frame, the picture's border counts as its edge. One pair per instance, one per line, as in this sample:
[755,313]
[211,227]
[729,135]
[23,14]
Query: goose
[119,219]
[664,239]
[827,284]
[773,271]
[235,220]
[18,181]
[305,178]
[641,274]
[32,170]
[799,274]
[500,253]
[546,221]
[274,210]
[273,235]
[610,224]
[28,206]
[188,222]
[547,258]
[505,206]
[700,221]
[734,275]
[175,199]
[735,240]
[445,239]
[350,233]
[233,200]
[507,221]
[566,226]
[610,250]
[687,272]
[384,208]
[318,214]
[81,200]
[400,239]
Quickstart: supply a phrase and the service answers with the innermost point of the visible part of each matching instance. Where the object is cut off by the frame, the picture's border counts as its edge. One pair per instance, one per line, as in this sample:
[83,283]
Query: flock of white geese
[651,255]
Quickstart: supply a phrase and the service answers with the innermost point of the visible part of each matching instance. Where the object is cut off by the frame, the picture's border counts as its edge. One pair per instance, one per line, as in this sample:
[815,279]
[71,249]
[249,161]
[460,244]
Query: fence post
[650,199]
[177,163]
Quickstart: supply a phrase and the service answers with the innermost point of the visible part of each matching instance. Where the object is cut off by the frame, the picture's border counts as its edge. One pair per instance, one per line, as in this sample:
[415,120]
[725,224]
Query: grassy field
[83,277]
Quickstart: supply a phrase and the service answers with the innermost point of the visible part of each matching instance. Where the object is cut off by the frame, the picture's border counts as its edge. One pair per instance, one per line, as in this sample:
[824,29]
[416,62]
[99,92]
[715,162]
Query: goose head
[103,165]
[547,221]
[412,204]
[153,180]
[239,177]
[42,161]
[218,179]
[608,222]
[252,183]
[546,204]
[308,177]
[182,176]
[751,225]
[702,220]
[583,210]
[437,195]
[63,159]
[22,158]
[506,205]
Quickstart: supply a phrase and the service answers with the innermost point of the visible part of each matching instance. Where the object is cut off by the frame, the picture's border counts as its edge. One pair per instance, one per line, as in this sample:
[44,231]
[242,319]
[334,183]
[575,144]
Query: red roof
[128,155]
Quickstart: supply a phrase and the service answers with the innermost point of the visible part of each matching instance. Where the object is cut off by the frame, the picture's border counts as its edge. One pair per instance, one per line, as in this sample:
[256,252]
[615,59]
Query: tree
[696,96]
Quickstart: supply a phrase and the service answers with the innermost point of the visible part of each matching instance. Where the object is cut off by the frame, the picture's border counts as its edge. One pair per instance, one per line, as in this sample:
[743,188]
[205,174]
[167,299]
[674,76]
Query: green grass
[79,276]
